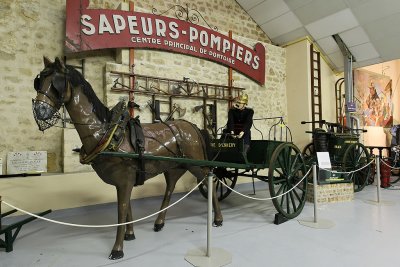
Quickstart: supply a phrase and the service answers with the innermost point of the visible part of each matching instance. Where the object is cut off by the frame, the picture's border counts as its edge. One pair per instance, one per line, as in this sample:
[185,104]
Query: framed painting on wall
[374,93]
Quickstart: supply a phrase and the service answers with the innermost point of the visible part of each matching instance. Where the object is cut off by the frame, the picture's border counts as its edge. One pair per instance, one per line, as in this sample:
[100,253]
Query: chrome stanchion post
[317,223]
[378,177]
[220,257]
[315,193]
[378,185]
[0,212]
[209,216]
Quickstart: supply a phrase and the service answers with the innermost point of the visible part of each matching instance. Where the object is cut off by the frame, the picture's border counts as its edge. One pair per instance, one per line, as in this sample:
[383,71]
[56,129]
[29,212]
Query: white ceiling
[369,28]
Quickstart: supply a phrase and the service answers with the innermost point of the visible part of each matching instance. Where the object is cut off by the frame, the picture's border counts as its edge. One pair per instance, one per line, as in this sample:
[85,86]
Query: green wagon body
[346,153]
[338,143]
[285,164]
[231,151]
[284,161]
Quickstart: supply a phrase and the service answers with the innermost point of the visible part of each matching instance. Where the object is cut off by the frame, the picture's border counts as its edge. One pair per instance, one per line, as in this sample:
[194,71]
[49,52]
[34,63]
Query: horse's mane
[76,79]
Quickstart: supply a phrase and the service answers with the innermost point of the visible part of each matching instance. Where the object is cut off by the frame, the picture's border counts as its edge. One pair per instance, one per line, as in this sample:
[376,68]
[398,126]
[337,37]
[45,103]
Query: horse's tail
[204,137]
[206,143]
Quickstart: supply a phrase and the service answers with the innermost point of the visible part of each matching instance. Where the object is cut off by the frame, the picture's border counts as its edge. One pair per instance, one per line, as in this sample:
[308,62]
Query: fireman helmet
[242,99]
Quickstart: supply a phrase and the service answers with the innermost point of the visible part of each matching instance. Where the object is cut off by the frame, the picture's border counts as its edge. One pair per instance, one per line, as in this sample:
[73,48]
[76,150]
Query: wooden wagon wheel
[395,168]
[309,151]
[286,169]
[309,155]
[372,173]
[394,180]
[228,177]
[355,157]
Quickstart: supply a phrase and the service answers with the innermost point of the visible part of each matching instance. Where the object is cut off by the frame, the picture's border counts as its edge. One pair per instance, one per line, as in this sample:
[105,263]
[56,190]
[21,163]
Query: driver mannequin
[240,120]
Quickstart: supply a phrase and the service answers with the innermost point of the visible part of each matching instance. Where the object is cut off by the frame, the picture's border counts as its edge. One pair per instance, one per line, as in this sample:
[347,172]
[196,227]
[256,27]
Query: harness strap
[101,146]
[112,139]
[204,142]
[137,132]
[181,154]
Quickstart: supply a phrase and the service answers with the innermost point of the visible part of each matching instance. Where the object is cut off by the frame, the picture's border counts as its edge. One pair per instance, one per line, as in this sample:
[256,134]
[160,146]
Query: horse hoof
[158,227]
[116,254]
[129,237]
[217,223]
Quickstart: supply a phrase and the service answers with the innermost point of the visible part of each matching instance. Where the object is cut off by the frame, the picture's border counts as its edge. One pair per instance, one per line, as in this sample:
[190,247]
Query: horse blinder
[36,83]
[59,82]
[45,114]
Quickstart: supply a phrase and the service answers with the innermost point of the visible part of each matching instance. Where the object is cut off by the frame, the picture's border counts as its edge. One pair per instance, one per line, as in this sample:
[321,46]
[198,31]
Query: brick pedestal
[327,193]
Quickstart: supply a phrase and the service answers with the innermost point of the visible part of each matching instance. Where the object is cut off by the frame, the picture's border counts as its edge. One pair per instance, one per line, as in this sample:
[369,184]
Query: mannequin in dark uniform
[240,120]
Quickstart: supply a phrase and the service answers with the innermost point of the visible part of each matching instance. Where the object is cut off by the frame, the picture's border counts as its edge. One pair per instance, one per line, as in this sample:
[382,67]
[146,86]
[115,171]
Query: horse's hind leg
[200,173]
[171,177]
[129,234]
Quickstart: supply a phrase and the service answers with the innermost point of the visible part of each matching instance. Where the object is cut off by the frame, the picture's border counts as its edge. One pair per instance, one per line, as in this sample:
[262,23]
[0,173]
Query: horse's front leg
[123,195]
[218,219]
[129,233]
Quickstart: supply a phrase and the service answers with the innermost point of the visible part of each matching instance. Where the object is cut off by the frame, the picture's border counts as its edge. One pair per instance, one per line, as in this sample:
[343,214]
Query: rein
[45,124]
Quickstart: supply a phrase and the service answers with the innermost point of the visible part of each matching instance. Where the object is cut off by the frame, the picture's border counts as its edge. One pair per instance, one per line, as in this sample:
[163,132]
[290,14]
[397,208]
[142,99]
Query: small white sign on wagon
[26,162]
[324,161]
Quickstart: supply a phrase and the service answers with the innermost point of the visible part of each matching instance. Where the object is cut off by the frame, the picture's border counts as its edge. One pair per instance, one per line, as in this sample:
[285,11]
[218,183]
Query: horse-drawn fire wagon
[110,143]
[347,154]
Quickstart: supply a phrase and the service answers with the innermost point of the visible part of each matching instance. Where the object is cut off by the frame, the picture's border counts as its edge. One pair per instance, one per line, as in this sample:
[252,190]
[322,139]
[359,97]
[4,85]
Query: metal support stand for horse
[378,186]
[254,186]
[213,256]
[317,223]
[9,237]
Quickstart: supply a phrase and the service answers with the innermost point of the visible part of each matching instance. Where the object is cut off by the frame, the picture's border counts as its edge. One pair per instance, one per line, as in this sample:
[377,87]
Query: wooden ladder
[316,103]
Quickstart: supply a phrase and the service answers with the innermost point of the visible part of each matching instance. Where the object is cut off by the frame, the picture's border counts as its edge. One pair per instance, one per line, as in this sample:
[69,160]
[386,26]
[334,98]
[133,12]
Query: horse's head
[53,89]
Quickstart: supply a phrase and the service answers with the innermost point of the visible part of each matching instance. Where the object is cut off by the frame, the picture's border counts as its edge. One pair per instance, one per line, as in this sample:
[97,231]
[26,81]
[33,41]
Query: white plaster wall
[298,91]
[328,81]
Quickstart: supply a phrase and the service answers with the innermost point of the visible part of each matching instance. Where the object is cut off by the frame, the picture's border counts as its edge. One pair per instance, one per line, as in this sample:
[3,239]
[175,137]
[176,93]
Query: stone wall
[29,30]
[328,193]
[35,28]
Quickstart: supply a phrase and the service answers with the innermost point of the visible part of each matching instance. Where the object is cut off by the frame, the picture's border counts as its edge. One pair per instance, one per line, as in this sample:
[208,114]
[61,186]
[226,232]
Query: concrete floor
[364,234]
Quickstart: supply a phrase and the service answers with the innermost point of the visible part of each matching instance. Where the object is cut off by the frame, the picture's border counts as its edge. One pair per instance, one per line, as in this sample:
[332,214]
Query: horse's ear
[60,65]
[59,82]
[46,61]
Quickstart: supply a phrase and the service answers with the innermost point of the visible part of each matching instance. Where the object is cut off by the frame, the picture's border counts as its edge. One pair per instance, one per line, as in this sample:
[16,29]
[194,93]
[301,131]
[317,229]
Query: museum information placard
[26,162]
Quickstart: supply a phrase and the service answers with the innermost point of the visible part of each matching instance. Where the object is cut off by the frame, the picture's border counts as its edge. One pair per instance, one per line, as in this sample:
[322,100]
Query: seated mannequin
[240,120]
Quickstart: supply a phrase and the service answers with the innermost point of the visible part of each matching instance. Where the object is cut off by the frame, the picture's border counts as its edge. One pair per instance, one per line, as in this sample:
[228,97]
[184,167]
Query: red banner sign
[91,29]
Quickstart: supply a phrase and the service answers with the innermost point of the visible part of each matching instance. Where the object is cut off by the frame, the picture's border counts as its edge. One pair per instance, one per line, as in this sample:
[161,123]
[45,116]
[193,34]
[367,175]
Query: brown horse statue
[101,129]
